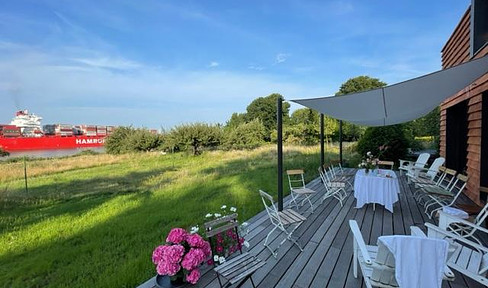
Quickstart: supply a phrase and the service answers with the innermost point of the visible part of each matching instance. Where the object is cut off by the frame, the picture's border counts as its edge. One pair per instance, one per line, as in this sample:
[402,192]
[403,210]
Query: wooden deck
[327,257]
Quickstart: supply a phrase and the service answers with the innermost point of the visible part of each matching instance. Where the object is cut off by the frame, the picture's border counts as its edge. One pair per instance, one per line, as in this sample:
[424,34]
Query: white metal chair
[406,165]
[467,257]
[444,197]
[333,176]
[377,263]
[443,181]
[281,220]
[423,173]
[298,190]
[332,189]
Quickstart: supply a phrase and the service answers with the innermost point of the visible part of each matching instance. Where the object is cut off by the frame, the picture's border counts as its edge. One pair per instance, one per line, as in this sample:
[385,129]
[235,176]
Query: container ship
[25,133]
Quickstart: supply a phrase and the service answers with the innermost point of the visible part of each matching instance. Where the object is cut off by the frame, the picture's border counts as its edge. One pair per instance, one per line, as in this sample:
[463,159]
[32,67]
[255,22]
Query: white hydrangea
[194,229]
[221,259]
[223,207]
[233,209]
[216,258]
[208,215]
[218,215]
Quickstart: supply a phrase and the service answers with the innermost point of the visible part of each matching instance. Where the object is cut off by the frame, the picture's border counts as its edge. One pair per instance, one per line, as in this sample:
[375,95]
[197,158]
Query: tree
[236,119]
[306,127]
[194,136]
[246,135]
[264,108]
[392,136]
[360,83]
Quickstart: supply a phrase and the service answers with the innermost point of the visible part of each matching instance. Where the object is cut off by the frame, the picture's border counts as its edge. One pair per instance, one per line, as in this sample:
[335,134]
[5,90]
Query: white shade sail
[400,102]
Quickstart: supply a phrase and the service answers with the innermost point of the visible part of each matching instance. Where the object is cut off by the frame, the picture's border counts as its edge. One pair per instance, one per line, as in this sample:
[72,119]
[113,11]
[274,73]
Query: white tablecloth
[376,188]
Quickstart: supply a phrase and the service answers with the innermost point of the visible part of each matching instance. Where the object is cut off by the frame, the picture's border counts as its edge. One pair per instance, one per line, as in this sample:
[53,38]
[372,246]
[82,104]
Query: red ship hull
[50,142]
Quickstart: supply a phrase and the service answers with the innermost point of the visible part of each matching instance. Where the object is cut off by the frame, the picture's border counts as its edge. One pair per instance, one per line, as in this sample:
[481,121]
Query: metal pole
[340,142]
[279,141]
[322,156]
[25,176]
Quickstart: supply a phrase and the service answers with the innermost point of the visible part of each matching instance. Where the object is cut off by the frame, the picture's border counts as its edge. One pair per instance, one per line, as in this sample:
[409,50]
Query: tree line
[257,126]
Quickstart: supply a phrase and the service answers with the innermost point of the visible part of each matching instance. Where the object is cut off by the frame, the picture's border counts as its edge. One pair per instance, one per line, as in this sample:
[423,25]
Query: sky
[157,64]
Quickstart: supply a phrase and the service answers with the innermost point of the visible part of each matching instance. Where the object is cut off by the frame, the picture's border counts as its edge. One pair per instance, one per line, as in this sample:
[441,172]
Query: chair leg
[218,277]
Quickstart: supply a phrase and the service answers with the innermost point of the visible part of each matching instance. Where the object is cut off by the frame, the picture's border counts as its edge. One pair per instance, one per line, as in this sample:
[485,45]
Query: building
[463,129]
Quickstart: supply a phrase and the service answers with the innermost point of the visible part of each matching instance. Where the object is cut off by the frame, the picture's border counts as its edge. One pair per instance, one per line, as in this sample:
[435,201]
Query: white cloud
[119,64]
[255,67]
[281,57]
[213,64]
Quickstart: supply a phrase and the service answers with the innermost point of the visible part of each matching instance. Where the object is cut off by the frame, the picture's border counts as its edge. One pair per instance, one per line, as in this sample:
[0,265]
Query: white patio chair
[444,197]
[467,257]
[377,263]
[444,181]
[344,172]
[405,165]
[281,220]
[459,228]
[425,173]
[332,189]
[332,176]
[298,190]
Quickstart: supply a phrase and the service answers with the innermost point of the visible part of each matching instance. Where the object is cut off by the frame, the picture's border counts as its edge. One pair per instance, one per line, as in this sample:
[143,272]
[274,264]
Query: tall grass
[93,221]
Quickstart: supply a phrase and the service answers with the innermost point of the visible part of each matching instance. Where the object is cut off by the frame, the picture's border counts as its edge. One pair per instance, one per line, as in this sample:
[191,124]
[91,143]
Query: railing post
[279,118]
[322,156]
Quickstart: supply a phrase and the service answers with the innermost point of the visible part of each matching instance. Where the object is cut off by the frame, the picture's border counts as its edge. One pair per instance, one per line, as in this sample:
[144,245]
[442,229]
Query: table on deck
[381,187]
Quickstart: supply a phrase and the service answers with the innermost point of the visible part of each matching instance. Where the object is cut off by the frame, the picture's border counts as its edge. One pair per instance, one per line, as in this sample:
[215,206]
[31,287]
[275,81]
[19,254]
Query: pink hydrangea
[176,235]
[193,276]
[158,253]
[207,249]
[174,253]
[167,268]
[195,240]
[193,258]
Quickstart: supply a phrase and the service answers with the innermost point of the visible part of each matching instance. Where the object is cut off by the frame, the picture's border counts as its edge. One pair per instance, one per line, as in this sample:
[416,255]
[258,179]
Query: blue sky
[157,63]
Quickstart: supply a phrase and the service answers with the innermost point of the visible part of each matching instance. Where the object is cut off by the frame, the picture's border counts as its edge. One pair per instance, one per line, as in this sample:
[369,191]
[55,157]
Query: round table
[380,187]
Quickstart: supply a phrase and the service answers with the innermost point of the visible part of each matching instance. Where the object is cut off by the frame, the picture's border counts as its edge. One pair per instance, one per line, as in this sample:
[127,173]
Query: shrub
[194,136]
[129,139]
[245,135]
[393,136]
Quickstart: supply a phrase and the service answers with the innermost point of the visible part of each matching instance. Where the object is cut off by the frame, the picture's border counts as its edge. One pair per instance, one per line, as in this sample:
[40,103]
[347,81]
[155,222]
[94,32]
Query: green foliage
[245,135]
[352,132]
[360,83]
[393,136]
[304,127]
[427,126]
[236,119]
[194,136]
[264,108]
[129,139]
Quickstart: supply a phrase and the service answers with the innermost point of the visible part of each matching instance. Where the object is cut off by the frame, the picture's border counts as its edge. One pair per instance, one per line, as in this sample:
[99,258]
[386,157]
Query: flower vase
[164,281]
[366,171]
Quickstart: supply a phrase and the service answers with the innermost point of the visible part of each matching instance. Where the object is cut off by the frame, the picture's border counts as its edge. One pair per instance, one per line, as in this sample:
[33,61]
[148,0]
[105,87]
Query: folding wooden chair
[298,190]
[281,220]
[239,268]
[335,177]
[388,164]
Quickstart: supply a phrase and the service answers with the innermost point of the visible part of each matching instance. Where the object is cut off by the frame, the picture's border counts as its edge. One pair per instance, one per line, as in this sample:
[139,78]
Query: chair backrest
[447,180]
[422,160]
[434,168]
[480,218]
[221,225]
[295,179]
[384,270]
[458,186]
[386,163]
[270,207]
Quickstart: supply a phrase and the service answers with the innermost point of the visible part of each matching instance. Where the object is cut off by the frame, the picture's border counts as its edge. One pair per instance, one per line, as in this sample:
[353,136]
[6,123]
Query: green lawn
[96,225]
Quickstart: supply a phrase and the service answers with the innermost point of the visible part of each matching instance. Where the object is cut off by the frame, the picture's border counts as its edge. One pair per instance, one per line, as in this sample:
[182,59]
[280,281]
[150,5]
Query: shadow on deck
[327,242]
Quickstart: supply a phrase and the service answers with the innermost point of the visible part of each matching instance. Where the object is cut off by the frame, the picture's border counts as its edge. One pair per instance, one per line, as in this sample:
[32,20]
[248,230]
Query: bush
[129,139]
[194,136]
[393,136]
[245,135]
